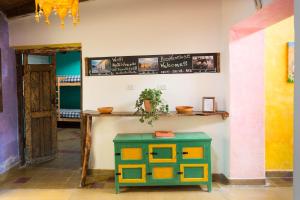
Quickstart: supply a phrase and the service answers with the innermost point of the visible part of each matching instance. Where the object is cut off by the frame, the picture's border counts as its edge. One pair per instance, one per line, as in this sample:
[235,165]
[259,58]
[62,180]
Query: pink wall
[269,15]
[247,144]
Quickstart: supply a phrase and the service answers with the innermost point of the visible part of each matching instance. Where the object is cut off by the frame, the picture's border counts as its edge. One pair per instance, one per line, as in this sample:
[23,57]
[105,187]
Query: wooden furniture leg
[87,148]
[83,135]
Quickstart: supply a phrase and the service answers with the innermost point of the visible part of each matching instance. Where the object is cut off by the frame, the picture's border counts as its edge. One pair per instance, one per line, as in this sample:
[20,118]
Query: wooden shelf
[93,113]
[69,84]
[87,118]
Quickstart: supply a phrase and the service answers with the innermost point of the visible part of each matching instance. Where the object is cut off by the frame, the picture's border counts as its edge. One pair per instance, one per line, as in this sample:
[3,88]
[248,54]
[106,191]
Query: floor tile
[59,180]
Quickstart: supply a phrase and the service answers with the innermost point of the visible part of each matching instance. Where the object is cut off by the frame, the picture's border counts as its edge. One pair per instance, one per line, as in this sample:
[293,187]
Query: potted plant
[149,105]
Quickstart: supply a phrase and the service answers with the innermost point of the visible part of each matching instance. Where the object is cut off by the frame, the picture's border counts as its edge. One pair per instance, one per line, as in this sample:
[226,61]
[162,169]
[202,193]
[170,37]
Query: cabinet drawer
[163,173]
[193,152]
[130,153]
[131,173]
[162,153]
[194,172]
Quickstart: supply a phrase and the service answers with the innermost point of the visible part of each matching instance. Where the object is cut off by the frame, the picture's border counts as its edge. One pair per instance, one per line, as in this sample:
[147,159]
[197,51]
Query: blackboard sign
[154,64]
[174,64]
[124,65]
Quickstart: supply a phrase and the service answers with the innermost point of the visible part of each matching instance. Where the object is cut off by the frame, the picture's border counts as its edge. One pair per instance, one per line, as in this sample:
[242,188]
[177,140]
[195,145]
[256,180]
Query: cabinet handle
[117,154]
[153,153]
[118,174]
[179,172]
[185,152]
[149,173]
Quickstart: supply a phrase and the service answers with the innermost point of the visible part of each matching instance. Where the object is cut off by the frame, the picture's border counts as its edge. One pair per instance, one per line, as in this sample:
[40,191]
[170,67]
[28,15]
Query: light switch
[130,87]
[162,87]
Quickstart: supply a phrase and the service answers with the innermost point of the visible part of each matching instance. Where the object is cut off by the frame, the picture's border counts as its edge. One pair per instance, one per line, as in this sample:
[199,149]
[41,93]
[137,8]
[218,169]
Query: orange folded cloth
[164,134]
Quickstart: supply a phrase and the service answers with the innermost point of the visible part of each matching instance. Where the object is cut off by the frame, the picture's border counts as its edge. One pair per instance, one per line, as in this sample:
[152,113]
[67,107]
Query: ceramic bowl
[105,110]
[184,109]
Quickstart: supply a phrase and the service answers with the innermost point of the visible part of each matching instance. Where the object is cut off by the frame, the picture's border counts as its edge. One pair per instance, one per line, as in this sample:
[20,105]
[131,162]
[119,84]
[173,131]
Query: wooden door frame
[40,49]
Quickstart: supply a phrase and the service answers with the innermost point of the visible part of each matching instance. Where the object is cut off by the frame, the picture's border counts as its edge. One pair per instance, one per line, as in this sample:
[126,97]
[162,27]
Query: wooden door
[40,109]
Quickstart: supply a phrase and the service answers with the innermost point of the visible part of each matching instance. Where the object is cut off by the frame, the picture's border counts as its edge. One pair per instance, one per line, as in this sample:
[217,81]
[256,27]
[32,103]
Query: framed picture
[291,62]
[206,63]
[208,104]
[148,64]
[100,66]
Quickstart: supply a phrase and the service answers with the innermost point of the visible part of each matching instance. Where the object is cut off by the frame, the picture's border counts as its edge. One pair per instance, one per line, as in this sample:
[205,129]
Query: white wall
[135,27]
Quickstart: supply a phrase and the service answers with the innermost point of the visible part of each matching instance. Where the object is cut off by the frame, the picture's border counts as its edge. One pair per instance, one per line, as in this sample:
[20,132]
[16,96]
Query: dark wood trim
[279,174]
[81,82]
[220,178]
[247,181]
[22,8]
[47,50]
[53,105]
[41,67]
[83,135]
[83,119]
[27,109]
[86,66]
[87,148]
[41,114]
[20,74]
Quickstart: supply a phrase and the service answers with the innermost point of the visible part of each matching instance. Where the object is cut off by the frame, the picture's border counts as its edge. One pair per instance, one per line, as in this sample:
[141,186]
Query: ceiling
[14,8]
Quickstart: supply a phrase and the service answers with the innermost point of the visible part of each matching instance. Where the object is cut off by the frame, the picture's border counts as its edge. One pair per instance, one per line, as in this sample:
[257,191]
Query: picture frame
[209,104]
[100,66]
[206,63]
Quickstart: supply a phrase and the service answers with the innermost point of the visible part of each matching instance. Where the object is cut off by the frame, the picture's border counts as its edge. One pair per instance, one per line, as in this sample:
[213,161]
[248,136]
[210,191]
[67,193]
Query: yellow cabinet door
[131,153]
[192,152]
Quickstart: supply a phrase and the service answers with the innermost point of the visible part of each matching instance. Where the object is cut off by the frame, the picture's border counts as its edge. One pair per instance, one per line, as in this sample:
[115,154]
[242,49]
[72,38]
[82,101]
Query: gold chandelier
[60,7]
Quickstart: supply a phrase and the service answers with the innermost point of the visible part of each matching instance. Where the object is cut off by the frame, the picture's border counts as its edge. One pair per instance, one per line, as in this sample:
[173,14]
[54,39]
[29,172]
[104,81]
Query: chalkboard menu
[153,64]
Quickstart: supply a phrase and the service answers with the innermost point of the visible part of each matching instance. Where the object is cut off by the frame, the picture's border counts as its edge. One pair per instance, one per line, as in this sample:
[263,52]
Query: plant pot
[147,105]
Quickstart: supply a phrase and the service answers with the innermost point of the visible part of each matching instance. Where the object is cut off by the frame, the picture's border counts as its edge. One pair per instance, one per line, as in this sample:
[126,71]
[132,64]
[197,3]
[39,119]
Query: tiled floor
[59,180]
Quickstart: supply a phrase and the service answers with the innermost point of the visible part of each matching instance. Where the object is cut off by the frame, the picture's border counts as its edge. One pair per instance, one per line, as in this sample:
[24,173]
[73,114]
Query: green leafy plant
[158,106]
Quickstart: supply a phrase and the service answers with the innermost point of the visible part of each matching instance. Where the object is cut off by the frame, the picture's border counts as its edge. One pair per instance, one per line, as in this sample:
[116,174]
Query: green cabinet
[143,160]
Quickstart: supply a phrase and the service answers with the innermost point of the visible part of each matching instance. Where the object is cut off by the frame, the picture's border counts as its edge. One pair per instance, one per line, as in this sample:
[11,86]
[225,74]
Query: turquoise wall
[69,64]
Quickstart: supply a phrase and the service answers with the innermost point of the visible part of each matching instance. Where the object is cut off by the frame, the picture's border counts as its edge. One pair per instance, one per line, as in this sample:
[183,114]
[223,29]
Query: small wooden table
[86,127]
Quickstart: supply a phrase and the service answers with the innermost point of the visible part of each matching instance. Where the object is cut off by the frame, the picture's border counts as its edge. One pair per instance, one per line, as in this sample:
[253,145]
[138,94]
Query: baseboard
[247,181]
[279,174]
[99,172]
[11,163]
[220,178]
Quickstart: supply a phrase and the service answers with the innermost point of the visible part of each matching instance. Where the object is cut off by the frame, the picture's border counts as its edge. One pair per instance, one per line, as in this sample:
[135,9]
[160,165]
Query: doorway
[265,37]
[50,102]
